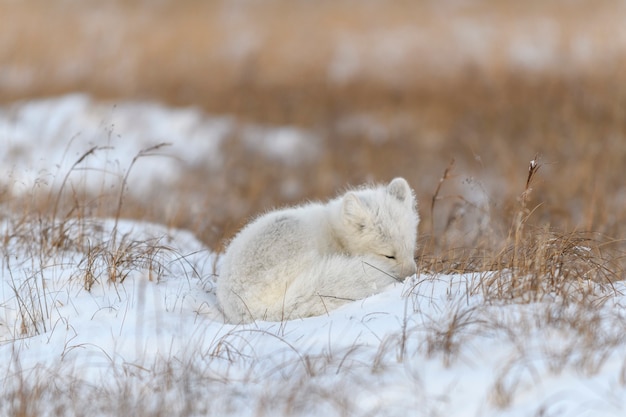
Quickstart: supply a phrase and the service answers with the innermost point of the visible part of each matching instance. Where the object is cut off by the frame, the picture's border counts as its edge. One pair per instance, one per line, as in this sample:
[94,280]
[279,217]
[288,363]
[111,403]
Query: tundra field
[138,137]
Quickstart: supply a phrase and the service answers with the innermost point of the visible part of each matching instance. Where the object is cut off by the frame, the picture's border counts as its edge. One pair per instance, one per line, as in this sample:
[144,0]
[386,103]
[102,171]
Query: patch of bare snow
[45,139]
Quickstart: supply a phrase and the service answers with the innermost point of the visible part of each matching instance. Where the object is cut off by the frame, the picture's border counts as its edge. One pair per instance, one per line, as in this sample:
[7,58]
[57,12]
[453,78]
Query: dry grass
[548,234]
[488,113]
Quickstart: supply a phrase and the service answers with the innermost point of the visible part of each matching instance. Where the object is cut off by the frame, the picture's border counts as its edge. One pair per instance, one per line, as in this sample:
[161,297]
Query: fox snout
[408,268]
[405,269]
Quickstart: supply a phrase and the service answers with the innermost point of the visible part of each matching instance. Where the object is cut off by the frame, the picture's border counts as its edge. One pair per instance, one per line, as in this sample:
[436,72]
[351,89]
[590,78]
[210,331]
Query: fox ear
[400,189]
[354,211]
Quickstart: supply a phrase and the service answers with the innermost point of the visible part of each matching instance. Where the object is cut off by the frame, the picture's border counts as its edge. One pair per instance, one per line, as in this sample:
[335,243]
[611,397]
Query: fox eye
[390,257]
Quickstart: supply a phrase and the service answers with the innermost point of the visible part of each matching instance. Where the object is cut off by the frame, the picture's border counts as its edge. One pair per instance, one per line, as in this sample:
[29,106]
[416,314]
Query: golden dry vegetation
[487,84]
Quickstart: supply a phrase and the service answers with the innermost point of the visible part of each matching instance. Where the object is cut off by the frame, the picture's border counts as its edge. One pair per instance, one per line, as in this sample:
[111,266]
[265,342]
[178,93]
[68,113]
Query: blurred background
[374,88]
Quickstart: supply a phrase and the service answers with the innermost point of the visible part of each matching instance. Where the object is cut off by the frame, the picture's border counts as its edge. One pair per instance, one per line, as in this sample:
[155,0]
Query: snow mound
[123,316]
[99,269]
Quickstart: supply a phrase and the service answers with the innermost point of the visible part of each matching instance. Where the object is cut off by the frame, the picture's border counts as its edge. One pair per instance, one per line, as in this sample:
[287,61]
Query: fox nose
[409,268]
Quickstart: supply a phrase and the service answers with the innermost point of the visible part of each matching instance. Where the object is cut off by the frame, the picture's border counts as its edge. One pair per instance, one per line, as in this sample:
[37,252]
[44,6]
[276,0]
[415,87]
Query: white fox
[307,260]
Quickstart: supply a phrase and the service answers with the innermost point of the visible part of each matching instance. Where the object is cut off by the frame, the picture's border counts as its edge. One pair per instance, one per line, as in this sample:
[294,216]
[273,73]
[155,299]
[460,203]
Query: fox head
[382,222]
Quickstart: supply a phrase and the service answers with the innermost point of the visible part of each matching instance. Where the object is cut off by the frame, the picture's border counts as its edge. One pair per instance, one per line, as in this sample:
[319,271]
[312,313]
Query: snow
[43,139]
[123,314]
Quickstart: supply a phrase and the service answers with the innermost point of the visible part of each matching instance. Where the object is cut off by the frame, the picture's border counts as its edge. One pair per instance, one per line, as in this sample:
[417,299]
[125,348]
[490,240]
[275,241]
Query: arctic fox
[307,260]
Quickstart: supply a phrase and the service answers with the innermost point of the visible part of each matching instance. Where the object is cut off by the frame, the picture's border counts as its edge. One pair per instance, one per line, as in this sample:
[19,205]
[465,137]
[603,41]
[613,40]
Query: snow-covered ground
[43,140]
[114,316]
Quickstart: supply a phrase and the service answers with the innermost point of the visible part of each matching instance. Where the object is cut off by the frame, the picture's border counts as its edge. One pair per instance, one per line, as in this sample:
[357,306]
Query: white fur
[307,260]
